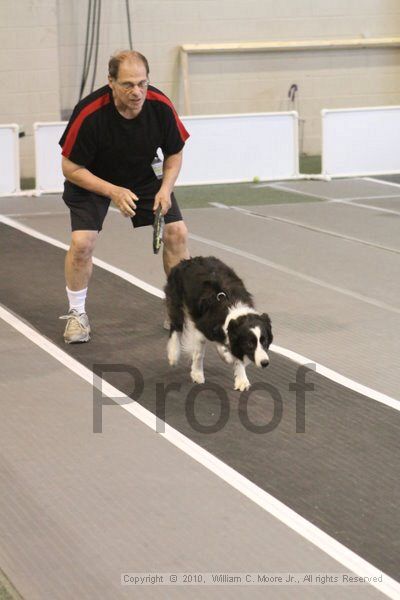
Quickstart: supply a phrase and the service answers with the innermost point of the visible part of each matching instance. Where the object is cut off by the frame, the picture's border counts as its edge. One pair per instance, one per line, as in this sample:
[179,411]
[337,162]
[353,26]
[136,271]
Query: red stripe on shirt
[154,96]
[76,125]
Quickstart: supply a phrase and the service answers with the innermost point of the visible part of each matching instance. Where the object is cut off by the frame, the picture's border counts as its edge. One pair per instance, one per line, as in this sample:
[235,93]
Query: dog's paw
[197,376]
[242,384]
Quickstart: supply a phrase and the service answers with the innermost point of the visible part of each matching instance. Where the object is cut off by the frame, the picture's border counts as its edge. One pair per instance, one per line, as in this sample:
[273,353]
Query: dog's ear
[207,298]
[266,318]
[218,334]
[205,302]
[233,326]
[267,322]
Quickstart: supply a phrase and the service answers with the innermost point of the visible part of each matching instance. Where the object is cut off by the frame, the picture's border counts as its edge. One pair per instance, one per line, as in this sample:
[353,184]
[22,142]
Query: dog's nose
[264,363]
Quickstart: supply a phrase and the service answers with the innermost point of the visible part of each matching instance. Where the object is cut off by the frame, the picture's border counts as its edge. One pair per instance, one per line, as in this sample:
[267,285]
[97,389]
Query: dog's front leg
[225,354]
[241,381]
[197,371]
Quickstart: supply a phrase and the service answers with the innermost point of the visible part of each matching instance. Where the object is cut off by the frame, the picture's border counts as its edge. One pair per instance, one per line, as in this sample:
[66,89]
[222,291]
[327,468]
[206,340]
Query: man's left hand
[163,198]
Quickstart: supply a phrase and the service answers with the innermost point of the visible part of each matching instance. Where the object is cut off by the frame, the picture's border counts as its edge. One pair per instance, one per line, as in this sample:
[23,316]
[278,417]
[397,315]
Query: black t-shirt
[121,150]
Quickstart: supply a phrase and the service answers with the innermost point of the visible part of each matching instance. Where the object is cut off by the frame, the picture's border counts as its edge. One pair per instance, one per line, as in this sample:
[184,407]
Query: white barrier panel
[49,177]
[234,148]
[221,149]
[361,141]
[9,159]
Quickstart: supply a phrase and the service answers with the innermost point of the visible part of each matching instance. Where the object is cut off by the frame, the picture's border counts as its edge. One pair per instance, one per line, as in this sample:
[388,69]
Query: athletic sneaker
[77,329]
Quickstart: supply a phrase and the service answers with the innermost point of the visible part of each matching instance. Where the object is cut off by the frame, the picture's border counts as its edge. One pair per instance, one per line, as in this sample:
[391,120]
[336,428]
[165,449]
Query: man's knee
[82,244]
[175,235]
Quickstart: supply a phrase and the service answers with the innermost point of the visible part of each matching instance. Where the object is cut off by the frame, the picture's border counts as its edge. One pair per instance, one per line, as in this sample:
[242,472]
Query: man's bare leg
[175,245]
[78,261]
[78,270]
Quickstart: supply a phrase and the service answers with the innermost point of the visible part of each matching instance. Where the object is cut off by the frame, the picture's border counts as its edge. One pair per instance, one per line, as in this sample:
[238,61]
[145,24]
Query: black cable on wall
[88,47]
[92,38]
[128,20]
[97,45]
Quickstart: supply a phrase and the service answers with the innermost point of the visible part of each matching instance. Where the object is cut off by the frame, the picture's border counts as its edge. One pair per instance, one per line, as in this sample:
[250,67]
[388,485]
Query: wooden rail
[276,46]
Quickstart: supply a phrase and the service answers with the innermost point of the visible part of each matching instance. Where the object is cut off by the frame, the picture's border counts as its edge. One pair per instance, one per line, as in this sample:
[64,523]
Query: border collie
[207,300]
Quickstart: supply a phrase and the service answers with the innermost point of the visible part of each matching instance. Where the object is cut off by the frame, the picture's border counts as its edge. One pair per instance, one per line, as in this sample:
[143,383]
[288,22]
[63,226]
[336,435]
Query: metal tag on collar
[221,295]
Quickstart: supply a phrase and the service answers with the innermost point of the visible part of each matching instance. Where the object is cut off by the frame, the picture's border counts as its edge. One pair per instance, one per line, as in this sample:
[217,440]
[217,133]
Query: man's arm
[123,198]
[171,168]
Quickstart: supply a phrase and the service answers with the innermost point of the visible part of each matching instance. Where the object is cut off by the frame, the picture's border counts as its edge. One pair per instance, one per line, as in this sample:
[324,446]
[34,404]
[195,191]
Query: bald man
[108,148]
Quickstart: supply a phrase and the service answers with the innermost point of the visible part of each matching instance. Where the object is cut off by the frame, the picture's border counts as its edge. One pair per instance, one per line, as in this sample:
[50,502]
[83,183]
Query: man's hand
[125,200]
[163,199]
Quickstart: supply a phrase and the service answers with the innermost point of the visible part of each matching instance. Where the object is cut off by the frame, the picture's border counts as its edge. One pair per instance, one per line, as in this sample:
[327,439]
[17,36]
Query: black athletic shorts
[88,211]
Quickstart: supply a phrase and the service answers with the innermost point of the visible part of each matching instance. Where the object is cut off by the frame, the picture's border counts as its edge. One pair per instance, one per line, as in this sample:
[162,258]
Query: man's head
[128,73]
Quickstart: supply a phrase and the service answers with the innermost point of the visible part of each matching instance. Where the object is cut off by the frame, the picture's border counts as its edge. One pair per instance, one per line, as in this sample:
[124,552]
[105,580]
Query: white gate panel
[234,148]
[361,141]
[9,159]
[49,177]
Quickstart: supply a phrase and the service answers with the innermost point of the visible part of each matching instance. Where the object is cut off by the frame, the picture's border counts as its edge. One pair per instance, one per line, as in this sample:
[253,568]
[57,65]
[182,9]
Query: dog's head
[250,336]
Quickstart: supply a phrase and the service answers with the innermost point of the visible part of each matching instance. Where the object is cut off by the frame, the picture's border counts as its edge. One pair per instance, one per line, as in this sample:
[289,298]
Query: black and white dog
[207,300]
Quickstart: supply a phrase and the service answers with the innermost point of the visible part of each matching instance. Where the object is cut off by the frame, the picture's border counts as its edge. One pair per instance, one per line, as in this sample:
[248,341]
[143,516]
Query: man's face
[130,87]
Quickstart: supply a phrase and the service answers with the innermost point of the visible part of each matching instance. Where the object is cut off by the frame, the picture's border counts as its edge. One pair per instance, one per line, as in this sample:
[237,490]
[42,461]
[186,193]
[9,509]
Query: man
[107,151]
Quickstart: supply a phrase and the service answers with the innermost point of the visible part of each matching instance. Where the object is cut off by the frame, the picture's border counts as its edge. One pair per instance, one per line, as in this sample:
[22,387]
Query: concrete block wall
[42,51]
[29,69]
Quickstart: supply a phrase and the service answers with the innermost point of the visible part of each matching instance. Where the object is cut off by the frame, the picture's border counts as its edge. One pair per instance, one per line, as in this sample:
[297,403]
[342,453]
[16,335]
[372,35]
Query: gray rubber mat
[338,188]
[351,266]
[392,204]
[347,222]
[77,509]
[341,473]
[49,203]
[394,178]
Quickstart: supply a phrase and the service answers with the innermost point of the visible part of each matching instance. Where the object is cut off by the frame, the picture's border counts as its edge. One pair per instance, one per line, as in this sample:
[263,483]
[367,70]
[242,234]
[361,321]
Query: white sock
[77,300]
